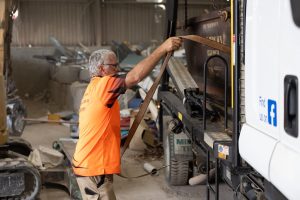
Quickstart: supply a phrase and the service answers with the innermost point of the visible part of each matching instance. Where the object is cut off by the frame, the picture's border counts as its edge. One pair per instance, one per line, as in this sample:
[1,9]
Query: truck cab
[269,139]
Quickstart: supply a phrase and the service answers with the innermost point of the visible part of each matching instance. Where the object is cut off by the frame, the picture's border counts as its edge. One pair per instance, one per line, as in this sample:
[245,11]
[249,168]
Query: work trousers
[96,187]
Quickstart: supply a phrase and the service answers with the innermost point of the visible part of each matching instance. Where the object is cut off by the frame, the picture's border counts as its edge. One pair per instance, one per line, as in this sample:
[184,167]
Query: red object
[125,123]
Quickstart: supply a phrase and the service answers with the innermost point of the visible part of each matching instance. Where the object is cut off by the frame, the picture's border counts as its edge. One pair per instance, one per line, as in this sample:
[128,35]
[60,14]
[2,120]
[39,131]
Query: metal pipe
[196,180]
[207,173]
[217,179]
[236,107]
[60,1]
[225,89]
[204,94]
[50,121]
[200,3]
[151,169]
[199,179]
[160,122]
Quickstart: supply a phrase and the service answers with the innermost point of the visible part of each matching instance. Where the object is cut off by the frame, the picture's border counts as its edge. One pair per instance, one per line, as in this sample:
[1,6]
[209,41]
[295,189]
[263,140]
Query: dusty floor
[146,188]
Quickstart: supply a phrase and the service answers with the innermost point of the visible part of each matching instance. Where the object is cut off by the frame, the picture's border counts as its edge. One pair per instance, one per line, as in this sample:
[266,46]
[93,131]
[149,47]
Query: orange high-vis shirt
[98,148]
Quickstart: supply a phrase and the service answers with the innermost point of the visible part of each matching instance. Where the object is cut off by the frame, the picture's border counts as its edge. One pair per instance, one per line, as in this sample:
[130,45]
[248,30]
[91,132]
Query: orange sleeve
[112,88]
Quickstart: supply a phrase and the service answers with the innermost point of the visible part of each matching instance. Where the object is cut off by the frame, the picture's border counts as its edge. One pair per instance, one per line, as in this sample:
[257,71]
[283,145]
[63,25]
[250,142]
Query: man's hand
[143,68]
[172,44]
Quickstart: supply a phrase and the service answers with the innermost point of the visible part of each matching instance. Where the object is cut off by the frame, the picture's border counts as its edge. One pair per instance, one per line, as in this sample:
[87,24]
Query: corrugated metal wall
[132,22]
[91,22]
[67,21]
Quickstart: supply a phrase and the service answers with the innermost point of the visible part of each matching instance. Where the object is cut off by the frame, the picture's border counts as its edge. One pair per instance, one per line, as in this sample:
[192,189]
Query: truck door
[285,162]
[260,133]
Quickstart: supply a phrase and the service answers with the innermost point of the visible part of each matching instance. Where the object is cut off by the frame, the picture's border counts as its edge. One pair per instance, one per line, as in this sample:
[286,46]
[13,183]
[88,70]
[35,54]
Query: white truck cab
[269,140]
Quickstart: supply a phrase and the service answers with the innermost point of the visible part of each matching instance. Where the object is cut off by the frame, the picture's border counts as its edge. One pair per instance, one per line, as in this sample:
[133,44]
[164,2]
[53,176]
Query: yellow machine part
[3,130]
[4,14]
[232,44]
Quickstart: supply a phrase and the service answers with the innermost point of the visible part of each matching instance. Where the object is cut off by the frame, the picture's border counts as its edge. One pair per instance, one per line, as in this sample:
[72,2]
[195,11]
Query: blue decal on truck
[267,109]
[272,112]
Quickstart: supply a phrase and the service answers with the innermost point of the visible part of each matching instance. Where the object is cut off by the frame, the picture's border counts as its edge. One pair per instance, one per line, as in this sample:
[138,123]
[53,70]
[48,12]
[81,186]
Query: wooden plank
[3,131]
[3,19]
[2,11]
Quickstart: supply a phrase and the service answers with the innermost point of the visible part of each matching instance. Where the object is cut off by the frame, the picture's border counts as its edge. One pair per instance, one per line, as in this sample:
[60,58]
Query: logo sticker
[267,111]
[272,112]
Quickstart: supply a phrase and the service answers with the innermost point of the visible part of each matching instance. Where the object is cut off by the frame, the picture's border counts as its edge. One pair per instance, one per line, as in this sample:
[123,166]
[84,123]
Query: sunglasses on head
[116,65]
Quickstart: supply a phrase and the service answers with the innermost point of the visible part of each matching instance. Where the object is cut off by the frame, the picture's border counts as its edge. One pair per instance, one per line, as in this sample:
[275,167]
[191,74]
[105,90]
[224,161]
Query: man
[97,154]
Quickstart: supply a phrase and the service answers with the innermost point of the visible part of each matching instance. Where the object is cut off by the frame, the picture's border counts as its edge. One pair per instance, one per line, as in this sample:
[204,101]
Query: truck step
[220,143]
[211,137]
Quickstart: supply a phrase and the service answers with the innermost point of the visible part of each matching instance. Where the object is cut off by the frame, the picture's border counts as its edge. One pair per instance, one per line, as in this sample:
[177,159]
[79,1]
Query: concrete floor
[146,188]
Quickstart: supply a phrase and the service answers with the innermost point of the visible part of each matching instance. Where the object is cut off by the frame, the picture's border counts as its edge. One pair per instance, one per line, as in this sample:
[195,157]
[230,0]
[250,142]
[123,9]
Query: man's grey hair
[98,58]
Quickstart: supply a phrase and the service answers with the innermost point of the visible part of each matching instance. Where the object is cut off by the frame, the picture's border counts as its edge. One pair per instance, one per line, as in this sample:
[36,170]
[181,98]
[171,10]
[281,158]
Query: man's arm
[143,68]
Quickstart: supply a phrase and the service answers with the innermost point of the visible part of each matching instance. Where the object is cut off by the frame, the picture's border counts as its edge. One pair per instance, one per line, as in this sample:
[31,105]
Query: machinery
[19,179]
[15,110]
[235,116]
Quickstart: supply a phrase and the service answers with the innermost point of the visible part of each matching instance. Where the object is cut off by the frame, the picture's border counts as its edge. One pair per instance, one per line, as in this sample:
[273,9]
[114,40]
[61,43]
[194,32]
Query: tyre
[176,172]
[20,179]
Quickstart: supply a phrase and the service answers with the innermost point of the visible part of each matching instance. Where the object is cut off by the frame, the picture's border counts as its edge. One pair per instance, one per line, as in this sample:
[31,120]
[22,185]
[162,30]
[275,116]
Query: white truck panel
[272,49]
[285,162]
[256,148]
[289,65]
[260,133]
[284,171]
[261,66]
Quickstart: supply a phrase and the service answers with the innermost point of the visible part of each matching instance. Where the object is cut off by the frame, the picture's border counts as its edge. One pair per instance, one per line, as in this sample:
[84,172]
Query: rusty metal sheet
[215,26]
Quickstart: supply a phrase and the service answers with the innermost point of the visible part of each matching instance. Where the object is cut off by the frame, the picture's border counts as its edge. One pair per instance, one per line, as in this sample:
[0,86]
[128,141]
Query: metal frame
[209,187]
[172,104]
